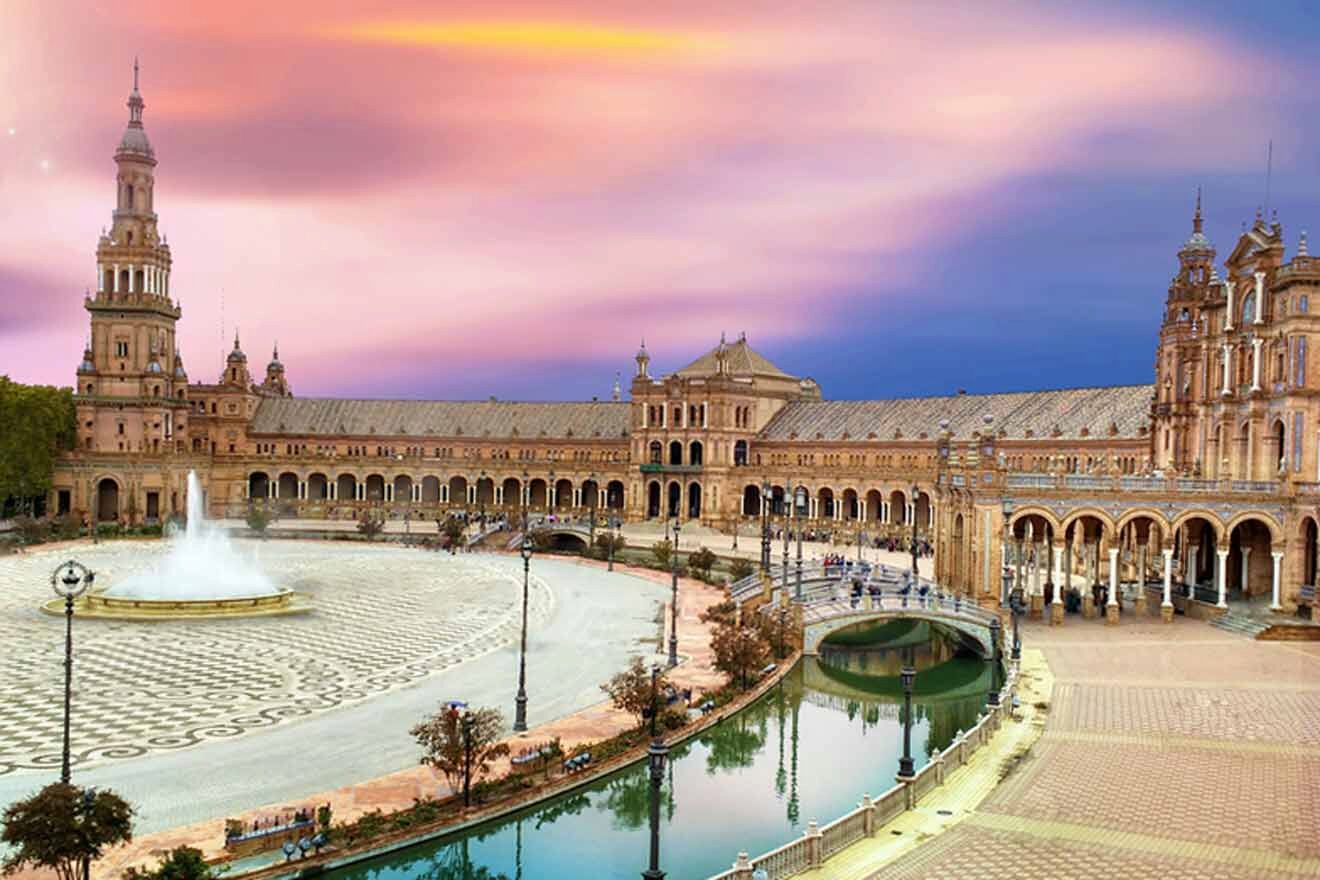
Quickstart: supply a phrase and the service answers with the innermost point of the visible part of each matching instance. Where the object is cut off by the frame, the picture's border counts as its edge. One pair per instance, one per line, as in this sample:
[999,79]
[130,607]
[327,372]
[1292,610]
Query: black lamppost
[673,602]
[520,701]
[909,676]
[481,502]
[788,494]
[765,527]
[799,507]
[1008,543]
[614,537]
[526,492]
[655,757]
[595,493]
[915,492]
[1018,603]
[996,646]
[70,581]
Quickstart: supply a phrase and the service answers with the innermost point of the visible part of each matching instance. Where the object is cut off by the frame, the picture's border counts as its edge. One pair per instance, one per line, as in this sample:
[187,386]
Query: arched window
[657,452]
[1248,308]
[675,452]
[694,452]
[740,453]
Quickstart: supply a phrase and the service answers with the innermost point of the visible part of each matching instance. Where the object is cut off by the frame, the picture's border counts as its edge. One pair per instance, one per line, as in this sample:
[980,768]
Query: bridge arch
[969,622]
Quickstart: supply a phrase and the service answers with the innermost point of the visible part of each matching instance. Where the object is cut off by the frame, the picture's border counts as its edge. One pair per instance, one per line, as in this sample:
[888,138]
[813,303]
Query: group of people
[236,828]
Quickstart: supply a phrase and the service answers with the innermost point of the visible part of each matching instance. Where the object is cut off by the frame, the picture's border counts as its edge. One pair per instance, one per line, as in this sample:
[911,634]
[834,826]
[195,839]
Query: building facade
[1208,478]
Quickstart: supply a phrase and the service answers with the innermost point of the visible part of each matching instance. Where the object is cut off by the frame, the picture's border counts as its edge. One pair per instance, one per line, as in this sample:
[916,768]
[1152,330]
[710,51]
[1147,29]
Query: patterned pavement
[384,618]
[1170,751]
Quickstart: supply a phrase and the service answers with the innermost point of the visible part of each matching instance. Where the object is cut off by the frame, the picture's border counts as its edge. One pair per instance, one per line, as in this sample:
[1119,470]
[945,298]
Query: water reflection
[807,750]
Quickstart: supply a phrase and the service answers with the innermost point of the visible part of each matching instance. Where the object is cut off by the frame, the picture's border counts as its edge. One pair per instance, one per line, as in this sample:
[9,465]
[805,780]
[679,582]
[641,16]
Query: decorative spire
[1301,245]
[1196,218]
[135,103]
[616,394]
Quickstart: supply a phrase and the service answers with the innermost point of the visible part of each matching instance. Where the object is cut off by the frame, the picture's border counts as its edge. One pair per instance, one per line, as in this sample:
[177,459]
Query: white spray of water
[201,564]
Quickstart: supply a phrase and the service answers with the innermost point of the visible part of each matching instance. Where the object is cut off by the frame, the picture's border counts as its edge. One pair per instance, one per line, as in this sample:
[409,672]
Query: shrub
[702,562]
[740,568]
[662,550]
[258,518]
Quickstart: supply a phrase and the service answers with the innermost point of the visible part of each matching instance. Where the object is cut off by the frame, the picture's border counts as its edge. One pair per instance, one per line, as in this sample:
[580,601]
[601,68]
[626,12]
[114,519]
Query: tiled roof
[427,418]
[742,360]
[1042,412]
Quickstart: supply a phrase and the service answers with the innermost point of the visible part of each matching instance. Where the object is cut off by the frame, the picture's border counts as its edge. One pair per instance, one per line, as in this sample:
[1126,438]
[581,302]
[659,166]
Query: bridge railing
[817,844]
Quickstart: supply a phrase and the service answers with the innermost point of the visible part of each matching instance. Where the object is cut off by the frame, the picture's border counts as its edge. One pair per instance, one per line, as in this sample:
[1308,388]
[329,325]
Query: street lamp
[70,581]
[788,493]
[520,701]
[655,758]
[909,676]
[915,492]
[595,492]
[1008,542]
[765,527]
[996,645]
[799,507]
[481,502]
[526,492]
[673,603]
[614,537]
[1018,603]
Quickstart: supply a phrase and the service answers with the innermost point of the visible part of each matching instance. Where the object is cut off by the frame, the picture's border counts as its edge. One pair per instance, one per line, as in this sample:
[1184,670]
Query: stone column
[1221,577]
[1190,575]
[1037,591]
[1091,564]
[114,282]
[1056,607]
[132,279]
[1260,298]
[1228,368]
[302,489]
[1111,607]
[1255,361]
[1246,558]
[1166,606]
[1228,315]
[1277,556]
[389,491]
[1140,609]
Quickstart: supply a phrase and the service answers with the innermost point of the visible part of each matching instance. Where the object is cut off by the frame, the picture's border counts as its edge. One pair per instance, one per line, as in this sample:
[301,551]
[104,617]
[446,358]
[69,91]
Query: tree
[371,524]
[39,421]
[605,539]
[723,612]
[62,826]
[661,551]
[630,690]
[702,562]
[740,651]
[258,518]
[182,863]
[461,745]
[740,568]
[454,530]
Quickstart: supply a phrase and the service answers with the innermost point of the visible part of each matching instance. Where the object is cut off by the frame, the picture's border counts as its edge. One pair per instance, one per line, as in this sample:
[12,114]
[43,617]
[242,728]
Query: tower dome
[236,356]
[135,136]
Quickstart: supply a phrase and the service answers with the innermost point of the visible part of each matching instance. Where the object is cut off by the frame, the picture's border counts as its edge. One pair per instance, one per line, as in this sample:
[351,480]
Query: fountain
[202,575]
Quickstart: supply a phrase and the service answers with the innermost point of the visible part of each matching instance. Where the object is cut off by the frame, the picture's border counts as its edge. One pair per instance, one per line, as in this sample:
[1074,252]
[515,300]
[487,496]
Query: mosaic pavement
[385,617]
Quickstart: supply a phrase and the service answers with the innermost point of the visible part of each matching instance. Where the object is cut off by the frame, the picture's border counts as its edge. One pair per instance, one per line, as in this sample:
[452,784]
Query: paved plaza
[1172,751]
[326,698]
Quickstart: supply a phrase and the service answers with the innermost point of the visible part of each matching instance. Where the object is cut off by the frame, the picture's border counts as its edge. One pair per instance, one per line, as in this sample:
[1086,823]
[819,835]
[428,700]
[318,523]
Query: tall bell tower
[131,380]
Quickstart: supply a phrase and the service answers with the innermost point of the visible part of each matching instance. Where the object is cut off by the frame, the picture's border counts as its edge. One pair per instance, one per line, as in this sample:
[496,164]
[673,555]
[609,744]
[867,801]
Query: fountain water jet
[202,575]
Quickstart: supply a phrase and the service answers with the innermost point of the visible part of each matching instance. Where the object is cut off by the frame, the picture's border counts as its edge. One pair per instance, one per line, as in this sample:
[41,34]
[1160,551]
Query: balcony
[671,468]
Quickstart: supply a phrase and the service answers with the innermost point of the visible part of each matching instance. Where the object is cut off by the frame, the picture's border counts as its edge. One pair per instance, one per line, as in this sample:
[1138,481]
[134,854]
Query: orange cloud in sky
[526,36]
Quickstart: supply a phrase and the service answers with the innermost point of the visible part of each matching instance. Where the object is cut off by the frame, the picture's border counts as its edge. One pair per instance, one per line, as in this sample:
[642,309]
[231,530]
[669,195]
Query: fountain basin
[105,607]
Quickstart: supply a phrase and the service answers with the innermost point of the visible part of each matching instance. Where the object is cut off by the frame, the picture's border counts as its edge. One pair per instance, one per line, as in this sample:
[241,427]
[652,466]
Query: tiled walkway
[1171,751]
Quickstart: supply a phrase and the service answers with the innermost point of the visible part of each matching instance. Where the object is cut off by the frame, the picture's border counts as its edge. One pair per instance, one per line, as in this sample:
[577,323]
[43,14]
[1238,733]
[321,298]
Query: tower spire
[1196,218]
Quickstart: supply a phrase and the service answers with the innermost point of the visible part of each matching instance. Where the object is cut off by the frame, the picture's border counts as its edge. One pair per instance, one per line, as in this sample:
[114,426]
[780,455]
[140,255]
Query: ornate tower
[129,389]
[275,383]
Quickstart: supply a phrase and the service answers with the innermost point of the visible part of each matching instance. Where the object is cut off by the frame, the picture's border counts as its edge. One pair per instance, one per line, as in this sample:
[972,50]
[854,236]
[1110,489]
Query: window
[121,348]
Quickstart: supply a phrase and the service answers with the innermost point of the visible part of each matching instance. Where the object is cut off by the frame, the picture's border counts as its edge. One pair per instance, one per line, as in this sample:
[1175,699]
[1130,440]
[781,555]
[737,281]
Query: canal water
[808,749]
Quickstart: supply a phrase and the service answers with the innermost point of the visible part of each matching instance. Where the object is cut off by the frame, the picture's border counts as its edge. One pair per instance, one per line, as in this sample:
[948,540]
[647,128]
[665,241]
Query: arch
[874,505]
[740,453]
[675,452]
[346,487]
[694,501]
[318,487]
[107,500]
[657,452]
[1310,536]
[614,495]
[922,509]
[458,487]
[403,488]
[674,499]
[590,494]
[897,507]
[1023,513]
[778,506]
[751,500]
[563,494]
[1131,516]
[1249,568]
[375,487]
[851,507]
[258,484]
[974,631]
[511,489]
[695,453]
[287,486]
[1105,520]
[1210,518]
[485,491]
[825,496]
[431,490]
[1278,435]
[537,494]
[653,499]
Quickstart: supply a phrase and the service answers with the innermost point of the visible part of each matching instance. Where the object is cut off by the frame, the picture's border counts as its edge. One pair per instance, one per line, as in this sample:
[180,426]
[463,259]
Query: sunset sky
[452,199]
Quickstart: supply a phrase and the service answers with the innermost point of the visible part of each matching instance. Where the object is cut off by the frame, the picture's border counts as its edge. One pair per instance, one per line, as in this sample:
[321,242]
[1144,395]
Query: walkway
[1172,751]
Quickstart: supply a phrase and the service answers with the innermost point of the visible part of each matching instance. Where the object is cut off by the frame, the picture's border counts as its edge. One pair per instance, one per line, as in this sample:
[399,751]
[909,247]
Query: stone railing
[817,844]
[1173,485]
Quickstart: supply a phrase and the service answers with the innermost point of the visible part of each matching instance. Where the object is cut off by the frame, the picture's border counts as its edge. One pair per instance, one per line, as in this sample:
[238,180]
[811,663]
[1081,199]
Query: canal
[807,750]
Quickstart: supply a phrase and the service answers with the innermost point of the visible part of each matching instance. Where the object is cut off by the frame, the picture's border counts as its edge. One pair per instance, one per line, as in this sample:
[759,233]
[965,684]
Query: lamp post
[1018,603]
[520,701]
[1007,507]
[996,646]
[909,676]
[765,527]
[614,537]
[788,493]
[595,492]
[915,492]
[526,492]
[799,506]
[673,602]
[481,502]
[655,757]
[69,581]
